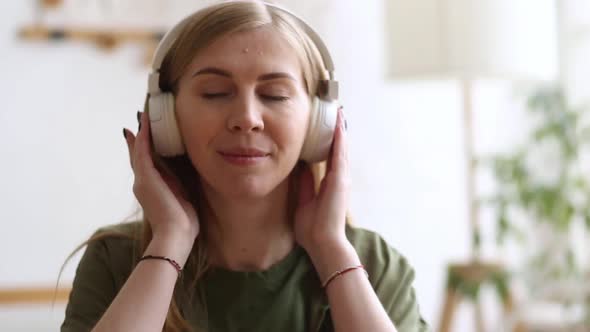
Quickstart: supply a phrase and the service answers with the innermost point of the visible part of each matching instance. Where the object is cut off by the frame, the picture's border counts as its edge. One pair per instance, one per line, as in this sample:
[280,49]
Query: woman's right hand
[172,217]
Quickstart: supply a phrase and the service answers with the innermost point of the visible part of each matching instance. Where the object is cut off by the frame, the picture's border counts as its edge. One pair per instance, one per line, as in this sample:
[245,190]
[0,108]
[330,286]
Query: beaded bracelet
[171,261]
[343,271]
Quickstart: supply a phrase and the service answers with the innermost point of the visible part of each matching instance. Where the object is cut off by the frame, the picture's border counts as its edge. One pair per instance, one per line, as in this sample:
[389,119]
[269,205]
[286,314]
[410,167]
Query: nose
[245,116]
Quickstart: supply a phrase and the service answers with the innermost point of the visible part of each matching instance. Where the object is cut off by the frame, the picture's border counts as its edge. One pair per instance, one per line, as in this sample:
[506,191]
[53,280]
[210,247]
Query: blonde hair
[203,28]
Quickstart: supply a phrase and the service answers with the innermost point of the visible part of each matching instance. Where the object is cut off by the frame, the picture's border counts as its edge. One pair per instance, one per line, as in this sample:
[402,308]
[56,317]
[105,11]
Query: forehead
[250,52]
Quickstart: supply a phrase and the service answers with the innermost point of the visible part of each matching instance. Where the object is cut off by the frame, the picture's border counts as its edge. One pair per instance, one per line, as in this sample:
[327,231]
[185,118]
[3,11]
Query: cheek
[198,131]
[196,126]
[197,140]
[197,135]
[290,135]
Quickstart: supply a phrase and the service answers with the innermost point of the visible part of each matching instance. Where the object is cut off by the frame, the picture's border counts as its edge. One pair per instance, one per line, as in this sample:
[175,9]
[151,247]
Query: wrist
[329,257]
[176,248]
[176,233]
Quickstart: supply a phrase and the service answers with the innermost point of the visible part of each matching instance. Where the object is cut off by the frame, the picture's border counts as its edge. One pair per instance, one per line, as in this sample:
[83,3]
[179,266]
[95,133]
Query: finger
[331,153]
[342,146]
[338,160]
[130,140]
[142,153]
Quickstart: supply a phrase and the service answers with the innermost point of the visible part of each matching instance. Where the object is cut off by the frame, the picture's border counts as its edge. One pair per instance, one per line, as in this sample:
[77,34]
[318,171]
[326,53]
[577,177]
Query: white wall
[65,168]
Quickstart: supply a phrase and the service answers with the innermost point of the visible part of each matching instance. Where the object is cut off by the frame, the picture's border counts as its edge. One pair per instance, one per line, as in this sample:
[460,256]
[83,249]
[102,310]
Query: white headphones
[164,127]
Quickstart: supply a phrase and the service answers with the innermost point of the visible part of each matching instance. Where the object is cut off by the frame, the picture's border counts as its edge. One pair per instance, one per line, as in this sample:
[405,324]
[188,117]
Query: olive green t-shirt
[286,297]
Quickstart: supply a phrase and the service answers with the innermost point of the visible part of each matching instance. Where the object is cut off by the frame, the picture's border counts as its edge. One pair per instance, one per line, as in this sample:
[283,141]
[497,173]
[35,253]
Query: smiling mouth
[244,159]
[245,155]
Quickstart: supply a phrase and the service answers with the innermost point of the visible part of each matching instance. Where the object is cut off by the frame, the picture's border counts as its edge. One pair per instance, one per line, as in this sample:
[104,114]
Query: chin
[246,188]
[247,184]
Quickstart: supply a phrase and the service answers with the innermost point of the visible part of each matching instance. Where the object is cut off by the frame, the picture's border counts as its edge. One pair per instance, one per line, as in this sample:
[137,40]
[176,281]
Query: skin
[249,229]
[232,96]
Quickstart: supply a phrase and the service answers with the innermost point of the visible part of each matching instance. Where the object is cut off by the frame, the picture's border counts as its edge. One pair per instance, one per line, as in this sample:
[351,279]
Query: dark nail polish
[124,133]
[138,116]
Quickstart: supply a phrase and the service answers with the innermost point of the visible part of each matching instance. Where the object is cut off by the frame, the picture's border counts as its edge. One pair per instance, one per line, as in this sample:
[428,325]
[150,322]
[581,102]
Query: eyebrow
[224,73]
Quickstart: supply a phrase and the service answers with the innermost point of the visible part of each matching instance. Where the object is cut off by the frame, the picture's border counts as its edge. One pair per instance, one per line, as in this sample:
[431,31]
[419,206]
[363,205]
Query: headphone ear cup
[320,133]
[163,125]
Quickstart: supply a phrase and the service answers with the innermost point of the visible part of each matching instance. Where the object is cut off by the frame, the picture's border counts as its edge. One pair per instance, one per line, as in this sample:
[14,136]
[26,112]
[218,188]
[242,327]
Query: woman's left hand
[320,218]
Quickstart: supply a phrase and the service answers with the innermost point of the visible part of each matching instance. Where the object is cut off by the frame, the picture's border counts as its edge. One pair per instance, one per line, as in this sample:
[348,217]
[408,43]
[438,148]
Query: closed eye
[275,98]
[215,95]
[226,94]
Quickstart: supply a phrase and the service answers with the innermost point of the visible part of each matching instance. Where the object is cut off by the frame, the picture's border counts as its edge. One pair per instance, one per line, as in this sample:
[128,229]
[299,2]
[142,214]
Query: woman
[242,229]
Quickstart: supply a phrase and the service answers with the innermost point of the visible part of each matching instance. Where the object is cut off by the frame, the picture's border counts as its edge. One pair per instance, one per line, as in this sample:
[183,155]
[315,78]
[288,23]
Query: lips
[244,157]
[244,152]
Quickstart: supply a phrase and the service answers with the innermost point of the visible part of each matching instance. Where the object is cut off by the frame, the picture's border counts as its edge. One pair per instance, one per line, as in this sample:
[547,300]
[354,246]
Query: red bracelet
[341,272]
[170,260]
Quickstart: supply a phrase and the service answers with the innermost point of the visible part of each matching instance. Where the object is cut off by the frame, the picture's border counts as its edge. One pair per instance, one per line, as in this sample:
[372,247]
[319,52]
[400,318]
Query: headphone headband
[171,36]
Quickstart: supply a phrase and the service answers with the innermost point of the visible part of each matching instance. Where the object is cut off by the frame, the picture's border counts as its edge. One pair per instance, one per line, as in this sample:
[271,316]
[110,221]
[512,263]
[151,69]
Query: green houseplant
[543,192]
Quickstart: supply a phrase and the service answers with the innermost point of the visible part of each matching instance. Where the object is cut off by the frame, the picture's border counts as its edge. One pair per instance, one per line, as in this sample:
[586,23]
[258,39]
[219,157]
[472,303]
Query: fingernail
[138,116]
[344,122]
[124,133]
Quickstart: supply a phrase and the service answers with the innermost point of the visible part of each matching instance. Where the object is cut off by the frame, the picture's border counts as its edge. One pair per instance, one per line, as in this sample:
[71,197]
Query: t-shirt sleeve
[93,289]
[391,277]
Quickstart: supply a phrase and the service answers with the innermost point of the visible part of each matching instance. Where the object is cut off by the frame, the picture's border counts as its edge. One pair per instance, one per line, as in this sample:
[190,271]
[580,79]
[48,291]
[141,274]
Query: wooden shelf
[33,295]
[102,37]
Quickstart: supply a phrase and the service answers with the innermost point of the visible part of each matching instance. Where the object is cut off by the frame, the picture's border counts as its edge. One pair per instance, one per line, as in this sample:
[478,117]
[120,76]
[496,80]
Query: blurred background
[468,132]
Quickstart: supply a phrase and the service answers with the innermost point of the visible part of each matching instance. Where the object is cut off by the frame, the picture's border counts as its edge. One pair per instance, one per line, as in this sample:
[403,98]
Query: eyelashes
[214,95]
[221,95]
[275,98]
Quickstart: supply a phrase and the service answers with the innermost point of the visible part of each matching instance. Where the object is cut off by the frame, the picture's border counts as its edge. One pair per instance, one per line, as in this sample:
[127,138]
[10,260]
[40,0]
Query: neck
[249,234]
